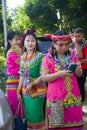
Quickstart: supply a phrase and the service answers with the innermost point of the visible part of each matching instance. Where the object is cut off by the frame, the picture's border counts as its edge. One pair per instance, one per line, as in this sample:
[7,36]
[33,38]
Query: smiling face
[61,46]
[15,41]
[30,42]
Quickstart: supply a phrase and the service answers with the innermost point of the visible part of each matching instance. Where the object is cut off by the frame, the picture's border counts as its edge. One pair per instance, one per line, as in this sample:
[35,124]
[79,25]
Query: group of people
[39,81]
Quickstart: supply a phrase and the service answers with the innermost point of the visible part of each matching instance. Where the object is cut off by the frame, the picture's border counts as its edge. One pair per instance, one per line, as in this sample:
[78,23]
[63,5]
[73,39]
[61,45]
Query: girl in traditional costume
[13,56]
[31,85]
[62,85]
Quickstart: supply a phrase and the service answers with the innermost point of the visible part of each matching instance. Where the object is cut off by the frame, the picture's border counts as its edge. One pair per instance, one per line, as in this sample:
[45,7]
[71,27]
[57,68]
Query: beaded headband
[58,38]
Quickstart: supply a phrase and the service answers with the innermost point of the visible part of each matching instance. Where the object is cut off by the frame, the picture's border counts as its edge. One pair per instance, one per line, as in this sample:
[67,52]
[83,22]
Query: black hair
[34,35]
[10,36]
[79,30]
[53,50]
[60,32]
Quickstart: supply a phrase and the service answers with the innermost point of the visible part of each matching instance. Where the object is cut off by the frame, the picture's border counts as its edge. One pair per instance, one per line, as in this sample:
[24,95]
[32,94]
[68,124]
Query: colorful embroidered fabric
[12,61]
[34,101]
[65,87]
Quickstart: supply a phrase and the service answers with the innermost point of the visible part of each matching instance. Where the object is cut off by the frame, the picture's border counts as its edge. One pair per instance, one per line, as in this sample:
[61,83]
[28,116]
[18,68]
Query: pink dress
[13,80]
[65,89]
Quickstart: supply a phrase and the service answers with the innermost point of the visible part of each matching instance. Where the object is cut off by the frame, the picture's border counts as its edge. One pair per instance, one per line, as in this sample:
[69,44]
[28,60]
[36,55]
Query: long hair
[10,36]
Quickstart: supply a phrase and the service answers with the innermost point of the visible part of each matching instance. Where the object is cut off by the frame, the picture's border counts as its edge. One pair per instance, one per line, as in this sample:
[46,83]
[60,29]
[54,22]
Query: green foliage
[1,22]
[42,14]
[2,62]
[21,22]
[2,70]
[79,9]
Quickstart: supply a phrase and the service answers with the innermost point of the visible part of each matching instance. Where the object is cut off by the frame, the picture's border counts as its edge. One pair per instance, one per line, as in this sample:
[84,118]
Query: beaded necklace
[27,62]
[29,57]
[63,63]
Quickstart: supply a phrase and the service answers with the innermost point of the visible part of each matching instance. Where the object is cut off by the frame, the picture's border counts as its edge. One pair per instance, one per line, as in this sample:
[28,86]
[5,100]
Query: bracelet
[18,91]
[32,84]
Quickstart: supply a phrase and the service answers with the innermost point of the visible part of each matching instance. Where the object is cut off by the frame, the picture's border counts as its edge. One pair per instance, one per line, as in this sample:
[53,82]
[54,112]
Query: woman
[33,89]
[62,84]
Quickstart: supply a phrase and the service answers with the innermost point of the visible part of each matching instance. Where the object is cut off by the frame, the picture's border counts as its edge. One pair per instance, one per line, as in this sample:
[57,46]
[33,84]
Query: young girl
[31,84]
[13,54]
[62,83]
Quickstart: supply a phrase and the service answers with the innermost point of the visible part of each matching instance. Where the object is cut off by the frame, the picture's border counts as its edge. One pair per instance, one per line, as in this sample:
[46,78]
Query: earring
[35,49]
[54,51]
[24,49]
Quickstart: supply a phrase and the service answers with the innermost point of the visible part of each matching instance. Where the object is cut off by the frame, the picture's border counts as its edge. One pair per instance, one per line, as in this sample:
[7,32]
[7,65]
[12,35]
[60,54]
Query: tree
[79,13]
[1,21]
[43,14]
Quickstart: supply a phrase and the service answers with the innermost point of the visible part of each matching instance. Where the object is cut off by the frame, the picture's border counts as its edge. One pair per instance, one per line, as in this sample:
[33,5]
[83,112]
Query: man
[81,47]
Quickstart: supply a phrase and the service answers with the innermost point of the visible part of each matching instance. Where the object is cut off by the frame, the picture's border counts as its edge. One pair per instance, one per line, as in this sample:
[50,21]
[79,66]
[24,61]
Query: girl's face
[15,41]
[61,46]
[30,42]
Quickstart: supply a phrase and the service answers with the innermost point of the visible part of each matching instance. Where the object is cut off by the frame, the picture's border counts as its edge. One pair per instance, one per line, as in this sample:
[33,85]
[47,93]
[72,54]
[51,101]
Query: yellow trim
[11,88]
[13,80]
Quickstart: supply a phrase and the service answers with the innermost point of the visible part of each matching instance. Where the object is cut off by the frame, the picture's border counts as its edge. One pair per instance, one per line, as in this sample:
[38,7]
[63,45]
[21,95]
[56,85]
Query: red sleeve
[84,51]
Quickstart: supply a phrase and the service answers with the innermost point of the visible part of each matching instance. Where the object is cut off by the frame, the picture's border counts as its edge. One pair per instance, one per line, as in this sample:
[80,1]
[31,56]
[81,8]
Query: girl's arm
[20,82]
[20,87]
[33,83]
[38,80]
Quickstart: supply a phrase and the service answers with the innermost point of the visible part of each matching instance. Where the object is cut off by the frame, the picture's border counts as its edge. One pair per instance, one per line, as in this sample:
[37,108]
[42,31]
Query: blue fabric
[19,124]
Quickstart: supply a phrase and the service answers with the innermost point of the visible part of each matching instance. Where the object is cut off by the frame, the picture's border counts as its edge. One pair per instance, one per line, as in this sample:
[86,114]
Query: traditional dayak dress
[34,101]
[13,78]
[65,89]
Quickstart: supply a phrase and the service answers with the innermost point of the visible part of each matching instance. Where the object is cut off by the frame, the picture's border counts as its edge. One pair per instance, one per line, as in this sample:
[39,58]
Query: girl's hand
[19,97]
[19,94]
[17,49]
[28,89]
[18,61]
[32,84]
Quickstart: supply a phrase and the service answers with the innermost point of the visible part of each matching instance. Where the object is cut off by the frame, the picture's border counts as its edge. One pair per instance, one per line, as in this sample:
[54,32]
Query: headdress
[31,31]
[58,38]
